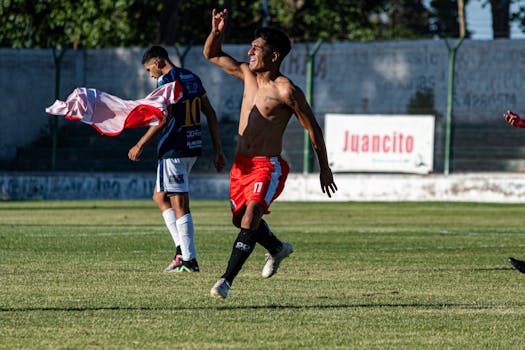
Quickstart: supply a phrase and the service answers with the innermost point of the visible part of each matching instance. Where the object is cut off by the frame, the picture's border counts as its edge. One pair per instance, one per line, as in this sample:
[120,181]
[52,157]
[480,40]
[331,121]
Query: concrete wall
[75,185]
[350,78]
[503,188]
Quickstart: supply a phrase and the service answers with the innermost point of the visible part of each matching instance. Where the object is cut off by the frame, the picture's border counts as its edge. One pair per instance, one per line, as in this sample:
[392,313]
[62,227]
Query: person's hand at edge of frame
[514,119]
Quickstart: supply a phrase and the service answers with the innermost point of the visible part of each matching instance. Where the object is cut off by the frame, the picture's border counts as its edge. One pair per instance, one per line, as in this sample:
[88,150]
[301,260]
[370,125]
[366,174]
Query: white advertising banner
[380,143]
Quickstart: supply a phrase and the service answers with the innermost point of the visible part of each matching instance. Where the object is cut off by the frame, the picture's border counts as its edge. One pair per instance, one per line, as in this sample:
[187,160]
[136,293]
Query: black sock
[178,251]
[192,264]
[267,239]
[242,248]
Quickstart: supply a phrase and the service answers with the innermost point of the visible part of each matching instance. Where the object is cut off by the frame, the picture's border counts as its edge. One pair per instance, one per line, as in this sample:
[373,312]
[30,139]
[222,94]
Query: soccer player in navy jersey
[179,145]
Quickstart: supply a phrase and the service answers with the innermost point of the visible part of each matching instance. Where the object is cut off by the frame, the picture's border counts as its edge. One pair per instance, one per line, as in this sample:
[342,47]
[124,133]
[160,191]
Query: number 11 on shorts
[257,187]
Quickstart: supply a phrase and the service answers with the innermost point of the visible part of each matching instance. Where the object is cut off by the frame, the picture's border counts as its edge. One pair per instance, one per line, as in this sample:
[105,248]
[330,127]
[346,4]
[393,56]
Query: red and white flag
[110,114]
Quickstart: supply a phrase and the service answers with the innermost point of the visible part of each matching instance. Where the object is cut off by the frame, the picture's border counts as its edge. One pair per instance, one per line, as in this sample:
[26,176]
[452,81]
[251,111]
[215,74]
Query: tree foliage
[343,20]
[444,18]
[110,23]
[501,16]
[86,23]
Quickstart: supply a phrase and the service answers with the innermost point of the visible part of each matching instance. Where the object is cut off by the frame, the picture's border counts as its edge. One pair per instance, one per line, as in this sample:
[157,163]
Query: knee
[250,220]
[158,197]
[161,200]
[236,221]
[247,222]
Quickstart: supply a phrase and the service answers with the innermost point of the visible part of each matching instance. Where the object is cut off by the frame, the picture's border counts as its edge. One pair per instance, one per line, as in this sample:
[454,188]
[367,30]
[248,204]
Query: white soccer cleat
[220,289]
[273,261]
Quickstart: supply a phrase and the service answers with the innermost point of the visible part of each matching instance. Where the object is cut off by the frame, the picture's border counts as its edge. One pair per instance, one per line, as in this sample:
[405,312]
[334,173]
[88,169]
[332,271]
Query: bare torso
[264,117]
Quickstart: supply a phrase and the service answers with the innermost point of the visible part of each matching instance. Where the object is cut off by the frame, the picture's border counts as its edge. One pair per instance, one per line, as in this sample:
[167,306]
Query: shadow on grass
[436,306]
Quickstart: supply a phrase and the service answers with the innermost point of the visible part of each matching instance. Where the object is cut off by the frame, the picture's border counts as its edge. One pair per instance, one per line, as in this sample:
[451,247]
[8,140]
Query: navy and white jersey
[181,136]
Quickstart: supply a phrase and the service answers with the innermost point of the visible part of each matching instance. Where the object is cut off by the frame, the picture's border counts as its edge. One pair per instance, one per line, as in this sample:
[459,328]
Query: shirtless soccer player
[259,172]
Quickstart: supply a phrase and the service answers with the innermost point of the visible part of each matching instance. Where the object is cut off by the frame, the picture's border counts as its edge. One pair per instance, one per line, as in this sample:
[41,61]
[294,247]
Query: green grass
[88,275]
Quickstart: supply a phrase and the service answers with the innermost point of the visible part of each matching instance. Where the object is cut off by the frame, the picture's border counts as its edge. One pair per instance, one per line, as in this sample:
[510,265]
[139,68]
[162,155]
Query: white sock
[186,234]
[171,223]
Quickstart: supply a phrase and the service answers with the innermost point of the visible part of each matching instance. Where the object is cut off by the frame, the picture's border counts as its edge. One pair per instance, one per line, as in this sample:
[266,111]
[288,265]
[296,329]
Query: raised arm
[213,46]
[297,101]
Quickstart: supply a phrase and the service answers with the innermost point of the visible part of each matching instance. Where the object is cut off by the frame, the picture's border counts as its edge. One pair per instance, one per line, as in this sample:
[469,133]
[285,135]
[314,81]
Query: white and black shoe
[273,261]
[220,289]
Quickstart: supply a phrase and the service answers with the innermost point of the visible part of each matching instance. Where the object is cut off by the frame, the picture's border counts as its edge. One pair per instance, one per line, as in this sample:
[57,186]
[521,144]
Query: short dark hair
[276,38]
[155,52]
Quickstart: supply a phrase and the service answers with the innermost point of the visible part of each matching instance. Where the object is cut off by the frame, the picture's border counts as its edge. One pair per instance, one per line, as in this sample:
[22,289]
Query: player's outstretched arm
[306,117]
[514,119]
[213,46]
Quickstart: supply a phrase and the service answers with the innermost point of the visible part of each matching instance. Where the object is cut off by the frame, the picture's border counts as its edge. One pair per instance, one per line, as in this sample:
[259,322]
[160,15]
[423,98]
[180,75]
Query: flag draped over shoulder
[110,114]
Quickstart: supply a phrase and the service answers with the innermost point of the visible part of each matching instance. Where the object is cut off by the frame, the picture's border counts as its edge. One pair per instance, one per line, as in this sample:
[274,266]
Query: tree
[502,16]
[109,23]
[71,23]
[519,16]
[189,21]
[343,20]
[444,18]
[407,19]
[500,10]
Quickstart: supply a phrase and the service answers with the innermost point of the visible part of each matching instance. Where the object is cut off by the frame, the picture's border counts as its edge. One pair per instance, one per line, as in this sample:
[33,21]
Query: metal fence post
[182,56]
[53,121]
[450,102]
[310,68]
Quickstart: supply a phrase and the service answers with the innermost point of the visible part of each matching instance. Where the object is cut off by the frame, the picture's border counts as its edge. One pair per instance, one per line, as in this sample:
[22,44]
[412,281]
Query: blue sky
[479,20]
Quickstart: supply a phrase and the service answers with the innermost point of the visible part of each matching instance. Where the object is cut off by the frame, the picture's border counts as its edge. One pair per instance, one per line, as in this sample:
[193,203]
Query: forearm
[319,146]
[135,151]
[322,156]
[213,45]
[149,135]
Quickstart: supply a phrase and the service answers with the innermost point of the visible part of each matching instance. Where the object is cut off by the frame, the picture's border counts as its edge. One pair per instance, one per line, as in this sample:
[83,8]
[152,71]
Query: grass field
[88,275]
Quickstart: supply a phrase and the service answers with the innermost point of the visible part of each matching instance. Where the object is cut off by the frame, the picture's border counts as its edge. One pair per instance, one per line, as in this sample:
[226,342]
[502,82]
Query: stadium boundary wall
[493,187]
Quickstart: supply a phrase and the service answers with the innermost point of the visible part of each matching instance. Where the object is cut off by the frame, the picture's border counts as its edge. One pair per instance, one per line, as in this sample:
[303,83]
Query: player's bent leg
[180,202]
[237,218]
[168,214]
[267,239]
[277,250]
[252,215]
[241,250]
[161,200]
[181,205]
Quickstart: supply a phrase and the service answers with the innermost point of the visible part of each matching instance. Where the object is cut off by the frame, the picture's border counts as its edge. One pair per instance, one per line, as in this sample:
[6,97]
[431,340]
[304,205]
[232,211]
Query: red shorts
[259,179]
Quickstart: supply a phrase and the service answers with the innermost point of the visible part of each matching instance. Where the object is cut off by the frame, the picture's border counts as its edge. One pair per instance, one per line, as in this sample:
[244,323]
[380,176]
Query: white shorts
[173,173]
